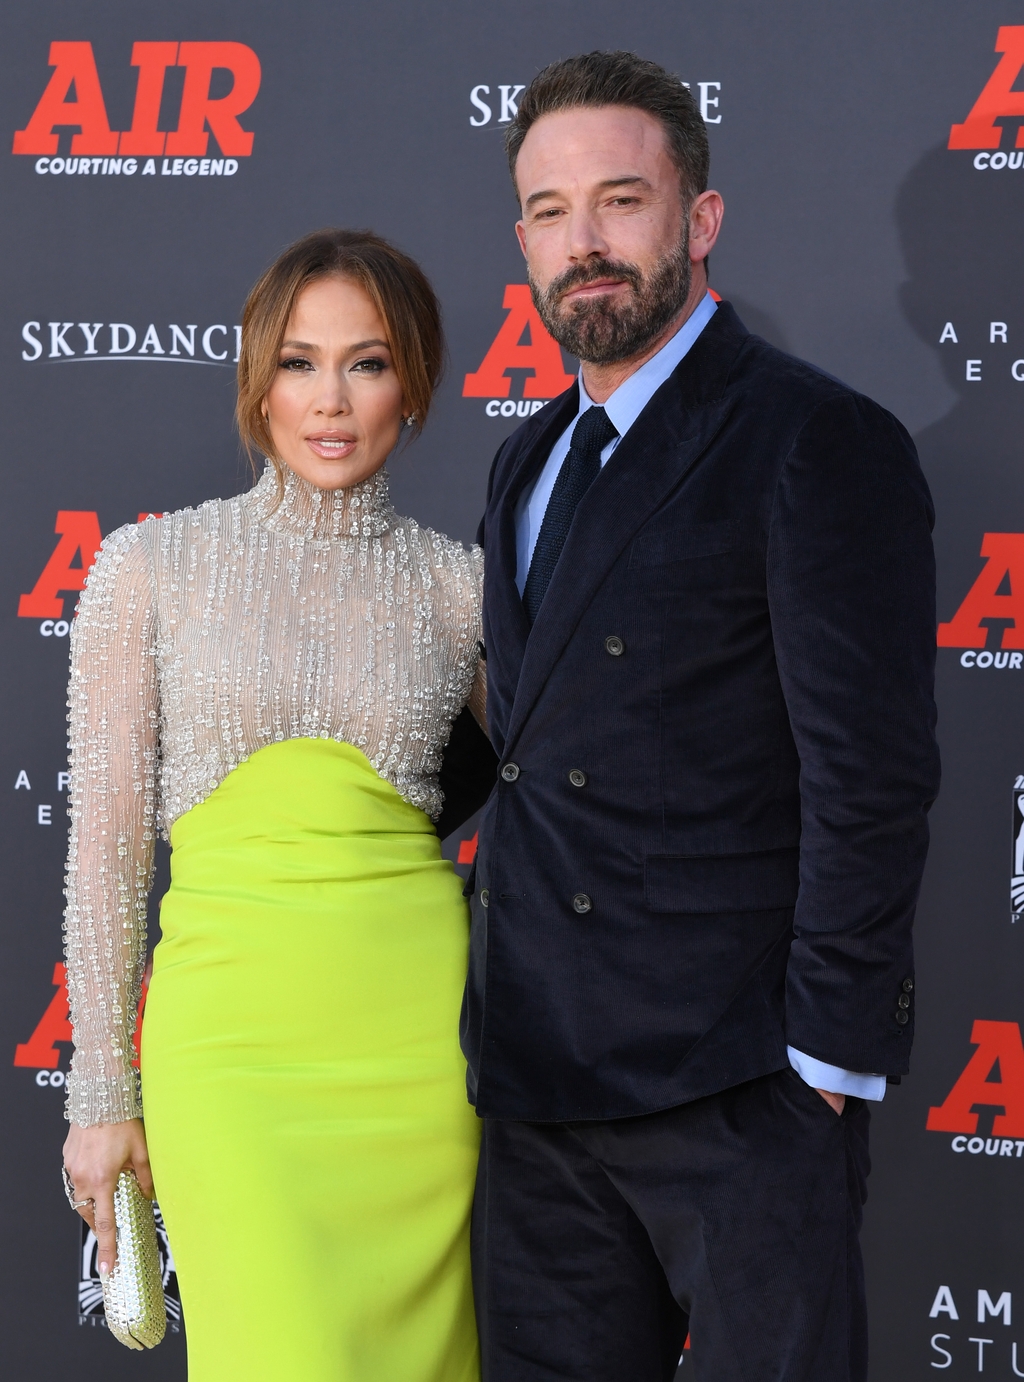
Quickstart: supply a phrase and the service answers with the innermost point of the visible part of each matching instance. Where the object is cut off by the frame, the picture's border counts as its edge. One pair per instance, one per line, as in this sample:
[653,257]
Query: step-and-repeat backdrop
[154,157]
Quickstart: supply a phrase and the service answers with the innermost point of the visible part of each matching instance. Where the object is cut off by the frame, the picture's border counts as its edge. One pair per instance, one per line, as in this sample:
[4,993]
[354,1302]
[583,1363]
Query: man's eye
[296,363]
[371,365]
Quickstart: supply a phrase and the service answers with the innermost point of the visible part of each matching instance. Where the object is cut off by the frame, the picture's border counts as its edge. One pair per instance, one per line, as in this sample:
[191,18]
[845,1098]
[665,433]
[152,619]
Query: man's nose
[586,240]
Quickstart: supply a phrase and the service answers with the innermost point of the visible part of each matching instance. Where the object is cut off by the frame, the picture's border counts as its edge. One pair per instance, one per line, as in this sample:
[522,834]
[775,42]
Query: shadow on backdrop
[965,269]
[759,322]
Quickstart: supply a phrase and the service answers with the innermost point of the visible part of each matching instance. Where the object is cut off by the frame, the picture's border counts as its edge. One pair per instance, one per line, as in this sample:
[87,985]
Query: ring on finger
[69,1191]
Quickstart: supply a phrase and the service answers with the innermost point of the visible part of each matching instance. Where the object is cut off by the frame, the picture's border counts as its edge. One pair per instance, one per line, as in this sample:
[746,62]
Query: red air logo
[999,99]
[40,1051]
[65,571]
[53,1029]
[992,1079]
[74,97]
[522,343]
[992,612]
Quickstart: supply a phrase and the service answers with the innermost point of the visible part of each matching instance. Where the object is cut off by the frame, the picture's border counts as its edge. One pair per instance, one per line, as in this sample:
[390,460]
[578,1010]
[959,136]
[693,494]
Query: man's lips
[603,285]
[331,445]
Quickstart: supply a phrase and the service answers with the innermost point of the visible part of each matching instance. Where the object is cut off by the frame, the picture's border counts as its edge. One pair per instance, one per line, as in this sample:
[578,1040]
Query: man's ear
[705,222]
[521,236]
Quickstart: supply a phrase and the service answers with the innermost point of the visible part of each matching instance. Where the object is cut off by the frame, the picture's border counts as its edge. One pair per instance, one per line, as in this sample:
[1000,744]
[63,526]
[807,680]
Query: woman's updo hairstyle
[396,285]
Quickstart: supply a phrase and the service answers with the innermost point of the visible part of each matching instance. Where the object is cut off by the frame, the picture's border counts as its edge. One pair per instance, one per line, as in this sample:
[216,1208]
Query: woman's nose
[332,398]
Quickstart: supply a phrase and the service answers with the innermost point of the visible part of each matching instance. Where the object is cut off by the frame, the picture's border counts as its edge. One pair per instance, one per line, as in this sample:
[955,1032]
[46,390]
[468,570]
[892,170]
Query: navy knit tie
[590,436]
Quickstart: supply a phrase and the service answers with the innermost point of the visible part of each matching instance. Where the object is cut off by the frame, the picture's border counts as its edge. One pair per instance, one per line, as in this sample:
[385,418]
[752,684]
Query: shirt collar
[632,396]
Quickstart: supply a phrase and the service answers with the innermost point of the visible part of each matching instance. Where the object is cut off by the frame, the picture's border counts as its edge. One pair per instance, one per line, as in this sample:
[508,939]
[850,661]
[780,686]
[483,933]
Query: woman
[271,680]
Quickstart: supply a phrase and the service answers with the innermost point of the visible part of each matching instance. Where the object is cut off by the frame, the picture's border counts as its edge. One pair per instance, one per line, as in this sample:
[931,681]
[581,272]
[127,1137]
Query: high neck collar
[362,510]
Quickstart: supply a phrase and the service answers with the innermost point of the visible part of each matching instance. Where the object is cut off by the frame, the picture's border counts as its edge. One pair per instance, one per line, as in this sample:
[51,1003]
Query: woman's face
[335,406]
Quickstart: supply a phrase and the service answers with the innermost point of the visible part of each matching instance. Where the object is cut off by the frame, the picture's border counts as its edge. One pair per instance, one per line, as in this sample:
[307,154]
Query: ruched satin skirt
[304,1092]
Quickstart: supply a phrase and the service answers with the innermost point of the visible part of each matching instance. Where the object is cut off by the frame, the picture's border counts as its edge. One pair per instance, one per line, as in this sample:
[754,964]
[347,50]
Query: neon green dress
[304,1093]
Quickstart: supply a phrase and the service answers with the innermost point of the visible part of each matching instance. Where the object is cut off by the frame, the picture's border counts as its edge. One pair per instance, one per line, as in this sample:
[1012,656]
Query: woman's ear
[265,410]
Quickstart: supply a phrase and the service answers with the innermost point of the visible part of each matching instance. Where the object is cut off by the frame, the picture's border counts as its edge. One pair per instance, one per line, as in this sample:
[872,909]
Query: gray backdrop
[853,235]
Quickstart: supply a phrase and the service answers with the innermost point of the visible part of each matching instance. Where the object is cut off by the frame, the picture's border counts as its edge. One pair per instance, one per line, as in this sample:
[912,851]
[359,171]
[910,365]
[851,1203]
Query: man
[709,634]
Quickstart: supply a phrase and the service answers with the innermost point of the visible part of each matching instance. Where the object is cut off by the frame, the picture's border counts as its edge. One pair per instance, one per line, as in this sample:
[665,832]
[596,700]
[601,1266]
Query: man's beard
[602,331]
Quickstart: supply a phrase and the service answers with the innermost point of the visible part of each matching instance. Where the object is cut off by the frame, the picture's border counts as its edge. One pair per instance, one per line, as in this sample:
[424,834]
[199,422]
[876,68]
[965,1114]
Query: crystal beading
[201,637]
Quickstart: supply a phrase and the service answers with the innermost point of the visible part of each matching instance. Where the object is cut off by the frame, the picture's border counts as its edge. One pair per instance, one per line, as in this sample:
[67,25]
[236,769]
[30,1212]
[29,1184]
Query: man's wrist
[833,1078]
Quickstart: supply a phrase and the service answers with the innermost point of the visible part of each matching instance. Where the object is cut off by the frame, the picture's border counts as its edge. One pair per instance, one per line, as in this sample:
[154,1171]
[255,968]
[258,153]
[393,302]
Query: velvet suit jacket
[740,866]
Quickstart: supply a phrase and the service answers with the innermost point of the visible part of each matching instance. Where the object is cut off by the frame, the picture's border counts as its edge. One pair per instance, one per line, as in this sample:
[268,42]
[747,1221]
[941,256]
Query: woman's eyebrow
[359,345]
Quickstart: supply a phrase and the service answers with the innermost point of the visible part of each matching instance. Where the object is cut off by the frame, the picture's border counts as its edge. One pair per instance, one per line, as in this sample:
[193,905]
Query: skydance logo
[166,343]
[96,150]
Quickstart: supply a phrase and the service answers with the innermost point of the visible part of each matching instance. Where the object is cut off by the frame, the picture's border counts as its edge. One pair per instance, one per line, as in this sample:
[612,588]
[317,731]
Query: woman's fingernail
[104,1271]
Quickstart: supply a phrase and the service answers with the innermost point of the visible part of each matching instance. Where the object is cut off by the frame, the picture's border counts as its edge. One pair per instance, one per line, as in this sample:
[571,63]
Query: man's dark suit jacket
[736,653]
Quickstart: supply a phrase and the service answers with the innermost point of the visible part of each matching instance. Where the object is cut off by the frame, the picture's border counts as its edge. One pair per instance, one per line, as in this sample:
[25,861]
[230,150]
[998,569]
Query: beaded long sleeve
[205,635]
[113,713]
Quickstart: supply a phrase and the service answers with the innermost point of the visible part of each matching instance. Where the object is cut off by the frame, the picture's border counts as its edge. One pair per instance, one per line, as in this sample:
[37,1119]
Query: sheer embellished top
[200,638]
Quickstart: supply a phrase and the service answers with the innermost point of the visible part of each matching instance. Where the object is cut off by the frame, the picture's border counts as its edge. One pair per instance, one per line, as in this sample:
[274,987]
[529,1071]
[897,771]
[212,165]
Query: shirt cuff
[837,1081]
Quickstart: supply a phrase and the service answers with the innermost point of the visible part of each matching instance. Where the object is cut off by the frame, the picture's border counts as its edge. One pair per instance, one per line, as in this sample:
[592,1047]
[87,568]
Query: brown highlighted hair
[619,79]
[399,290]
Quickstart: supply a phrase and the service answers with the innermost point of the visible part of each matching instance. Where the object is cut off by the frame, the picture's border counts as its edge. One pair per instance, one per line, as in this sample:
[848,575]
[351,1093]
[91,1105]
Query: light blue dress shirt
[623,407]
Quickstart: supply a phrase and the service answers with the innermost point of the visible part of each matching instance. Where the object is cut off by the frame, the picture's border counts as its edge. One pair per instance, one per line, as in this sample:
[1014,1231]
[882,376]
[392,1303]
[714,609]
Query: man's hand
[836,1102]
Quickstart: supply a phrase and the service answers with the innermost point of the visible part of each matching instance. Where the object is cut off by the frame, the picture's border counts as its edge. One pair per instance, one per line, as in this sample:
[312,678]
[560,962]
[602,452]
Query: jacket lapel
[658,451]
[504,606]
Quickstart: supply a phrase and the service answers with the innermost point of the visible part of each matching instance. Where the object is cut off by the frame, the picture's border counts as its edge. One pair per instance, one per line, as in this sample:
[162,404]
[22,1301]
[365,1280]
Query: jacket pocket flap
[762,882]
[685,542]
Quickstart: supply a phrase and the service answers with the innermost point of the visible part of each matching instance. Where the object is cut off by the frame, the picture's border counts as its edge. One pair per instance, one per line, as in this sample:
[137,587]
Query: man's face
[604,229]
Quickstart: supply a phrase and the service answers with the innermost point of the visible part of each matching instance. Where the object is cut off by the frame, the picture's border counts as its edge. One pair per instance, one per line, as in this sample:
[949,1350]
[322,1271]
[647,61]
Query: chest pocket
[684,542]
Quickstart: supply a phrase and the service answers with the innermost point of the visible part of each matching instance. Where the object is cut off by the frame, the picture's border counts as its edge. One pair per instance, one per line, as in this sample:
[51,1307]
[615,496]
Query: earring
[410,419]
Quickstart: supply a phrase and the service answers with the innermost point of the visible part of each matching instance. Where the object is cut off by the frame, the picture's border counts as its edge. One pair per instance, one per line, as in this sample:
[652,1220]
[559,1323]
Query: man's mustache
[582,274]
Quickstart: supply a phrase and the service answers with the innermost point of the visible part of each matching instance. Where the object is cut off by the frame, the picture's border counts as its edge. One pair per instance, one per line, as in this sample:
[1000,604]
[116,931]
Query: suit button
[578,777]
[904,1000]
[485,897]
[614,645]
[902,1017]
[510,772]
[581,903]
[908,985]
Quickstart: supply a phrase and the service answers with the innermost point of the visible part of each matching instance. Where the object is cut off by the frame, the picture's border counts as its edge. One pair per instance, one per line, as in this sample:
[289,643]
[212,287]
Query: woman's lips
[331,445]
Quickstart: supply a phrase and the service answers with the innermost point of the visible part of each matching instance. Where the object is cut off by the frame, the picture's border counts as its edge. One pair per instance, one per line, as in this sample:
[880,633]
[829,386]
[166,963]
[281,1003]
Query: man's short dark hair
[619,79]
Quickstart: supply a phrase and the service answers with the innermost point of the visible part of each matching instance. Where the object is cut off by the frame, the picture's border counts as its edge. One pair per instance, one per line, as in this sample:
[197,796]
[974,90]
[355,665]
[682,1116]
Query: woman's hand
[94,1158]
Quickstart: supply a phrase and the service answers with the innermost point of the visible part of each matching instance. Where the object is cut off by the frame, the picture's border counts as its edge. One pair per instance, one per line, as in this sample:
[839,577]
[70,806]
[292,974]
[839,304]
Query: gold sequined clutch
[133,1293]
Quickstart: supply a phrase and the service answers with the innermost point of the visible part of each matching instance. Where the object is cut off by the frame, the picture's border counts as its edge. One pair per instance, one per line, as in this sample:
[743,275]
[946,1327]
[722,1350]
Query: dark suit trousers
[598,1246]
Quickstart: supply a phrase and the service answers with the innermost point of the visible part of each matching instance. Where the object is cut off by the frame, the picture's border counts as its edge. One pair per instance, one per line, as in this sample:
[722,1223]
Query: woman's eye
[295,363]
[371,365]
